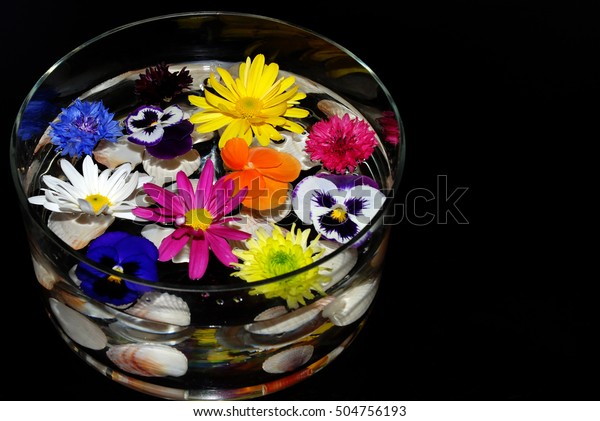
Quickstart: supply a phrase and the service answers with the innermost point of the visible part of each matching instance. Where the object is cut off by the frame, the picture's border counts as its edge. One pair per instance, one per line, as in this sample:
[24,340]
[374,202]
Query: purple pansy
[146,125]
[339,206]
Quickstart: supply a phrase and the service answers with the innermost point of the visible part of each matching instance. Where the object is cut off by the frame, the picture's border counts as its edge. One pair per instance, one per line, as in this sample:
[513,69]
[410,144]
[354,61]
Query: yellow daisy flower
[273,254]
[253,104]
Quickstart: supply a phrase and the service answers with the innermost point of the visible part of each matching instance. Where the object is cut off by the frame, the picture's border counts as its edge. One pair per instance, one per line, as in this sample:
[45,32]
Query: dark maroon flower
[159,85]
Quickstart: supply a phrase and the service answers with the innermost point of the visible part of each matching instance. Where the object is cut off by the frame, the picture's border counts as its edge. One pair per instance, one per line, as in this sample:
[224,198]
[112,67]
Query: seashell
[45,139]
[291,321]
[45,276]
[304,85]
[165,170]
[294,144]
[271,215]
[77,230]
[80,303]
[156,233]
[271,313]
[149,359]
[351,304]
[113,154]
[288,360]
[128,333]
[249,222]
[338,266]
[122,78]
[78,327]
[161,307]
[330,108]
[201,137]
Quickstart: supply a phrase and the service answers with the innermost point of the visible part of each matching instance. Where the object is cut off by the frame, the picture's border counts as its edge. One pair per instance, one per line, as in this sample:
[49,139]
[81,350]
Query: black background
[494,97]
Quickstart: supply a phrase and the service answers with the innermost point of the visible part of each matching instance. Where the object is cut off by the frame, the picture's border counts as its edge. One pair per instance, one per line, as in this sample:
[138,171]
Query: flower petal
[235,153]
[172,244]
[303,194]
[220,248]
[198,258]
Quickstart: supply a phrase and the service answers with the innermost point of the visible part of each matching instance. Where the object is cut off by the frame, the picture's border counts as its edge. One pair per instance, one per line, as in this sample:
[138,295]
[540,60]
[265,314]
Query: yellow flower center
[97,201]
[339,214]
[113,278]
[248,107]
[198,219]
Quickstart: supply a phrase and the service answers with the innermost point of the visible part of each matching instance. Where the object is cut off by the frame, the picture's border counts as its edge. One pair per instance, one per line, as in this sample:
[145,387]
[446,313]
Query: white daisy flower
[110,192]
[85,205]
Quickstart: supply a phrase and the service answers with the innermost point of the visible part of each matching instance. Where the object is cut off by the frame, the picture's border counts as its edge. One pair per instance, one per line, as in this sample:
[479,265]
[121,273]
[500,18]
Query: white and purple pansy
[146,125]
[339,206]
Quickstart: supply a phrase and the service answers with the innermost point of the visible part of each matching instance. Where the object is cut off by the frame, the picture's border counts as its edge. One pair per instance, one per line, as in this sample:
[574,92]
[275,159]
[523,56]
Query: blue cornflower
[81,125]
[39,111]
[124,253]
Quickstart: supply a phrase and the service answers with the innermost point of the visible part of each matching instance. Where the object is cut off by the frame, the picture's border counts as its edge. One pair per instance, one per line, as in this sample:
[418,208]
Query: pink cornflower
[199,218]
[341,143]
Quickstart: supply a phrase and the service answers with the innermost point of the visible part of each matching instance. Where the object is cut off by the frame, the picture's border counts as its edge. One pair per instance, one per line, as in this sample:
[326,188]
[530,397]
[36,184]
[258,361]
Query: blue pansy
[124,253]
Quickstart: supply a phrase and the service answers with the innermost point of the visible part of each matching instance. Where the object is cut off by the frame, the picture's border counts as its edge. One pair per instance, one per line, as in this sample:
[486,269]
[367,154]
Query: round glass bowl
[205,198]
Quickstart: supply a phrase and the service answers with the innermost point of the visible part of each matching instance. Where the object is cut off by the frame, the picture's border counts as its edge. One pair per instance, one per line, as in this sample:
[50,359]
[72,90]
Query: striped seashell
[78,327]
[352,304]
[338,266]
[165,170]
[288,359]
[161,307]
[149,359]
[294,144]
[291,321]
[43,272]
[77,230]
[113,154]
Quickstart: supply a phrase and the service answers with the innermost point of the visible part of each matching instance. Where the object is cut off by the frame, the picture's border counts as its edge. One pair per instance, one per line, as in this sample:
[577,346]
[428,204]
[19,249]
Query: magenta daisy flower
[199,216]
[341,143]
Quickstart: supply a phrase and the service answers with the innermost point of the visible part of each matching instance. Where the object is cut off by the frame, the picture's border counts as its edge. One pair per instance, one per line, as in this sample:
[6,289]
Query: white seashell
[289,321]
[156,233]
[288,360]
[77,230]
[271,313]
[113,154]
[294,144]
[338,266]
[249,222]
[201,137]
[329,108]
[161,307]
[78,327]
[149,360]
[351,304]
[165,170]
[80,303]
[304,85]
[45,276]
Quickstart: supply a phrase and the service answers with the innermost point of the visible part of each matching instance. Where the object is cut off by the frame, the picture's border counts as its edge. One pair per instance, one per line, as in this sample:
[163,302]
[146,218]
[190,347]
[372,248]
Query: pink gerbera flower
[199,218]
[341,143]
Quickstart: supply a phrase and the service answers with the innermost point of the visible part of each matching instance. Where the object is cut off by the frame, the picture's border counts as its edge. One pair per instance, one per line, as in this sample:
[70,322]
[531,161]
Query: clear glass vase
[132,239]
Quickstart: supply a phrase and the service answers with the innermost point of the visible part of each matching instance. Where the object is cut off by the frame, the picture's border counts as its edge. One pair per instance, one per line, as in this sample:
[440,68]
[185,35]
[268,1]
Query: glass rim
[196,285]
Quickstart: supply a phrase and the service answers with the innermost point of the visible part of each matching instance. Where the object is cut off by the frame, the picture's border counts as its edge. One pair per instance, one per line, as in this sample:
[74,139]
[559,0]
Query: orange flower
[266,172]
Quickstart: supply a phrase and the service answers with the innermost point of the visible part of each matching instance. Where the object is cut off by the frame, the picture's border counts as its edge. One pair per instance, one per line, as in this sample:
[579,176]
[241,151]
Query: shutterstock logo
[423,206]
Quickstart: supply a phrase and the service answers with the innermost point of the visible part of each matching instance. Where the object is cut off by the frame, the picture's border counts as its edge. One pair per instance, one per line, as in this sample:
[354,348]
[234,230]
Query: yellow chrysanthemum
[275,254]
[252,105]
